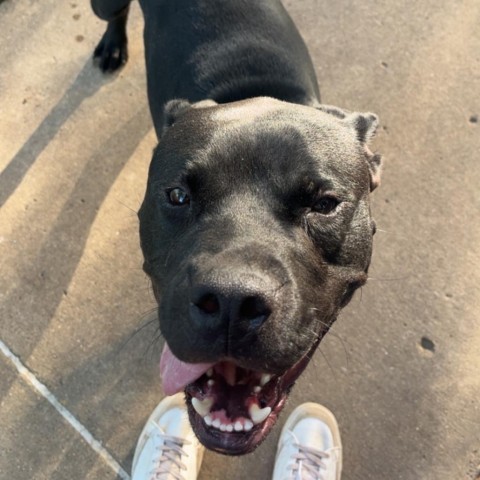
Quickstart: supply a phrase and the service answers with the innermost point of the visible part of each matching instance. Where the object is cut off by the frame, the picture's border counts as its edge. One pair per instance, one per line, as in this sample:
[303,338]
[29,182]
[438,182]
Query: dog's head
[256,231]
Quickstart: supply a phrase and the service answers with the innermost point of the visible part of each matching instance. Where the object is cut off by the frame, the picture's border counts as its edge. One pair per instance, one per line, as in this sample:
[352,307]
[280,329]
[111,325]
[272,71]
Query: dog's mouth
[232,409]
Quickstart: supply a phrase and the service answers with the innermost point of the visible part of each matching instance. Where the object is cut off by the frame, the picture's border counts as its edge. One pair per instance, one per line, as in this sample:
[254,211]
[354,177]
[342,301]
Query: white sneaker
[309,447]
[167,448]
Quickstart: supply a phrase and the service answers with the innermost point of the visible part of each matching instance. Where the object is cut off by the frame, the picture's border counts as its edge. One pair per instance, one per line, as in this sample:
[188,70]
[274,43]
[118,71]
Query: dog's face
[256,230]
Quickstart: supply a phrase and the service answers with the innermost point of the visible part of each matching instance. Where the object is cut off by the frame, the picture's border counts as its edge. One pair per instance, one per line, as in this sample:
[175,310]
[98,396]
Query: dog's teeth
[257,388]
[211,383]
[209,372]
[238,426]
[229,427]
[208,420]
[248,425]
[266,377]
[230,371]
[257,414]
[223,427]
[216,423]
[202,407]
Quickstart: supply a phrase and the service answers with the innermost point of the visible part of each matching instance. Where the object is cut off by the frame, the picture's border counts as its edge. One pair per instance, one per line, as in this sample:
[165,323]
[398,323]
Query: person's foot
[309,447]
[167,448]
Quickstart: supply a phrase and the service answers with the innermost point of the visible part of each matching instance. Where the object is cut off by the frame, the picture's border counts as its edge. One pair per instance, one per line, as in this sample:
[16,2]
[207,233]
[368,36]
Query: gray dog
[256,226]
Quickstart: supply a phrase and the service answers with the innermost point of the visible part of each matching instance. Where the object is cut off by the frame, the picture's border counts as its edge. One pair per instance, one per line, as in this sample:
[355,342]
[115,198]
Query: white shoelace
[308,463]
[168,465]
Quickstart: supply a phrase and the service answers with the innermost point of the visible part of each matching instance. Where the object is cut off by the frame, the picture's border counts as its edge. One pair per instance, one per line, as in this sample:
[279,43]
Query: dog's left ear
[174,109]
[365,125]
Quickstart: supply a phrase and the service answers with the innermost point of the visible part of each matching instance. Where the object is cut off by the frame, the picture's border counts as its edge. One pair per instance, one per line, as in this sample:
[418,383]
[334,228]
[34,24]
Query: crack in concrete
[32,380]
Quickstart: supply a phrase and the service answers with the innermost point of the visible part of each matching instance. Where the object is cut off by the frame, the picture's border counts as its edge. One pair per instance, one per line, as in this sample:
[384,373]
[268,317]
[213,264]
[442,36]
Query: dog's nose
[215,304]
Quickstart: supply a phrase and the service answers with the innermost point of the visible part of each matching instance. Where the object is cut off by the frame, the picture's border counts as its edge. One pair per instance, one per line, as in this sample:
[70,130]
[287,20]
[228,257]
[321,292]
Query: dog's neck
[245,88]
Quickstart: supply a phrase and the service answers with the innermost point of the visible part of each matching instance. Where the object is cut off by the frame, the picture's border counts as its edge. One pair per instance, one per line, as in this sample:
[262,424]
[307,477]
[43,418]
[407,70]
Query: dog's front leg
[111,53]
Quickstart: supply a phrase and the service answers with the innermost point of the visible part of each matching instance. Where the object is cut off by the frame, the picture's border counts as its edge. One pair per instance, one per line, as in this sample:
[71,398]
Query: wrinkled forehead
[265,117]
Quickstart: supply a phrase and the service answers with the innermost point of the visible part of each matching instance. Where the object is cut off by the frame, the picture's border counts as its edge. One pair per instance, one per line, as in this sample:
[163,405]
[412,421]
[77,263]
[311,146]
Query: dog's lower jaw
[232,443]
[242,434]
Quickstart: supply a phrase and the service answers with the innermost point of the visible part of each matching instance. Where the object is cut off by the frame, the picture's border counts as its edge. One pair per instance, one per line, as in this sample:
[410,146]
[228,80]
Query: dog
[256,226]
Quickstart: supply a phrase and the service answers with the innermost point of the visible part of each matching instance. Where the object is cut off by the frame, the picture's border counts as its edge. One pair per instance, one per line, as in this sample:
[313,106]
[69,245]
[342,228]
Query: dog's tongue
[176,375]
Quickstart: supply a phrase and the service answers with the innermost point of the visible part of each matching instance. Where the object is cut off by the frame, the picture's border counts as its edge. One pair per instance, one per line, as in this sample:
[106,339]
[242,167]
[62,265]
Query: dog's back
[224,50]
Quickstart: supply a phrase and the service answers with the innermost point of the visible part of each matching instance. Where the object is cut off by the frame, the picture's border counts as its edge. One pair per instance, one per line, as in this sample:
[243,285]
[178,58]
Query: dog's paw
[112,52]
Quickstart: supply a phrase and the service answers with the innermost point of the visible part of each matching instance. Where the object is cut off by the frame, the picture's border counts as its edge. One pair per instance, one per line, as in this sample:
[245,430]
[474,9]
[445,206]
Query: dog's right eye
[178,197]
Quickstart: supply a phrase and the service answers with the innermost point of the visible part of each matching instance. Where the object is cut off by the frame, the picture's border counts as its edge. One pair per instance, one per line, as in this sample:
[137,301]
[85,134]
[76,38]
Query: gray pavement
[400,368]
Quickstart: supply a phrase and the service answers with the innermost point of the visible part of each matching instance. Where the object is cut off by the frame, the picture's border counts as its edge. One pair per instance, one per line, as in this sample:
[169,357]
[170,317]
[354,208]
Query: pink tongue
[176,375]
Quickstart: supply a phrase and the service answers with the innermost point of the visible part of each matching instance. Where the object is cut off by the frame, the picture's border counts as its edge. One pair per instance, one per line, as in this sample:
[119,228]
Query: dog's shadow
[86,84]
[45,274]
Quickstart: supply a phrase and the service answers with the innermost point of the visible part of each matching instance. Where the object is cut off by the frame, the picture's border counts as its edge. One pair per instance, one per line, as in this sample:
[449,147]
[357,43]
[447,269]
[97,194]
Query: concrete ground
[401,367]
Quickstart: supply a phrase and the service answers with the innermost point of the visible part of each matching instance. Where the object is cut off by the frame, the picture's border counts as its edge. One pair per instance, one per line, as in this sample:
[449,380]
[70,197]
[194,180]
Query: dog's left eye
[178,197]
[325,205]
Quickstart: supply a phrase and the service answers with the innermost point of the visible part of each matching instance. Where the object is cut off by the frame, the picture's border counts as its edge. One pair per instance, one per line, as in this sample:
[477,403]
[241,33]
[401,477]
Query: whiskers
[127,207]
[389,279]
[147,319]
[329,329]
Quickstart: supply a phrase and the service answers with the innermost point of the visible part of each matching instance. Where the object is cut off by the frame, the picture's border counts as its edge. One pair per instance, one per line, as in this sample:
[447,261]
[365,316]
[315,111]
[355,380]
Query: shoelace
[168,465]
[308,462]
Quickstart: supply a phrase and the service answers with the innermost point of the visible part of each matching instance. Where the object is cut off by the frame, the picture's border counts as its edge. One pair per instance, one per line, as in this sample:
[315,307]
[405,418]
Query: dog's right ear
[174,109]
